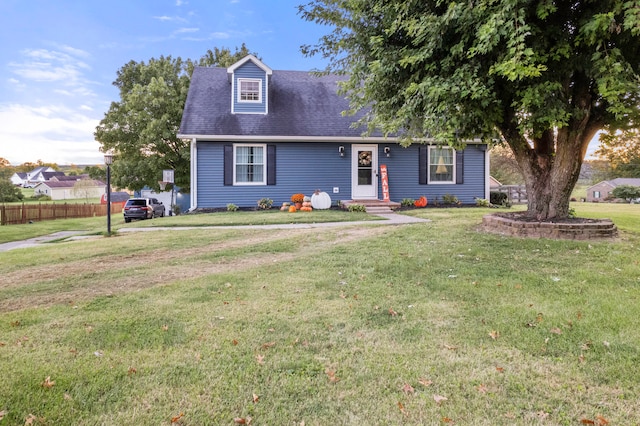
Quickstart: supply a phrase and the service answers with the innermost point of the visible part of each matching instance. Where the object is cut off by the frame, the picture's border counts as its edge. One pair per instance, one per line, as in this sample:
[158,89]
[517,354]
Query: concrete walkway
[33,242]
[390,219]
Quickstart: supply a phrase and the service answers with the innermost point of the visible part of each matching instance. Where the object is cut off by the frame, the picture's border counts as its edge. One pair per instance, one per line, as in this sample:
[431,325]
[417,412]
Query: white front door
[364,172]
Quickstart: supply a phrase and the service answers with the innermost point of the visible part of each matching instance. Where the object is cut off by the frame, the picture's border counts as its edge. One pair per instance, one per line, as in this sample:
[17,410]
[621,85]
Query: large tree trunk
[551,166]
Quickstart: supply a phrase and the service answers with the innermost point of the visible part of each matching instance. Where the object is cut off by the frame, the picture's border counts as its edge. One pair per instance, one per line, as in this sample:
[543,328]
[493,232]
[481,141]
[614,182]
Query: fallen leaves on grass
[260,359]
[131,371]
[439,399]
[31,418]
[494,334]
[331,374]
[556,330]
[242,420]
[268,345]
[392,312]
[425,382]
[408,389]
[482,388]
[256,398]
[2,414]
[176,419]
[48,383]
[600,421]
[401,408]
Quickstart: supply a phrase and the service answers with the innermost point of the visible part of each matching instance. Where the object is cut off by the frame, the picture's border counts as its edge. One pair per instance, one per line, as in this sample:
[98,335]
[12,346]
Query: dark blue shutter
[422,164]
[459,167]
[271,164]
[228,164]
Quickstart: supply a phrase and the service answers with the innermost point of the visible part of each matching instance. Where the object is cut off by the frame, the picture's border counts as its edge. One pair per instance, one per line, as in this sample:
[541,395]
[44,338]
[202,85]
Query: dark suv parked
[142,208]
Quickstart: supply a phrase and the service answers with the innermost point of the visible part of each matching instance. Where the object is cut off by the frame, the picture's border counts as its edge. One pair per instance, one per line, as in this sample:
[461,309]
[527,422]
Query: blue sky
[59,58]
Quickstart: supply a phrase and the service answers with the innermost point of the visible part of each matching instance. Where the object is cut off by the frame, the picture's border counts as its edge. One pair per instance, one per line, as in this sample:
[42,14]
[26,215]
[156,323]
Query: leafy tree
[9,192]
[541,75]
[141,127]
[504,166]
[96,173]
[626,192]
[622,150]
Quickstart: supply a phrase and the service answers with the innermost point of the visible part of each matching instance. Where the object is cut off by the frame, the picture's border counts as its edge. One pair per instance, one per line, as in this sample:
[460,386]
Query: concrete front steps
[373,206]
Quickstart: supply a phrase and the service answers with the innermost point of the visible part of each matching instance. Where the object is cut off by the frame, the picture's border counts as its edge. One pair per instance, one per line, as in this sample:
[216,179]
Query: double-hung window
[441,165]
[249,90]
[249,164]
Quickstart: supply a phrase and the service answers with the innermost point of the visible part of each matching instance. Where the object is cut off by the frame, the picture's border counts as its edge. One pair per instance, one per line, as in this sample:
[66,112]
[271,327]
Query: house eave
[277,138]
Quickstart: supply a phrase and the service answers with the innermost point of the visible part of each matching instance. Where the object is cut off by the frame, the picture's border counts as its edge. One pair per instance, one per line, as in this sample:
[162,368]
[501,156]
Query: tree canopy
[541,76]
[622,151]
[141,127]
[626,192]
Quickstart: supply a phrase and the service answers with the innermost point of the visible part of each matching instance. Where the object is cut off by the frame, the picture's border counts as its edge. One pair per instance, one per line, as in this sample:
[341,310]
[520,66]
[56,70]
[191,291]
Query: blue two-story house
[259,133]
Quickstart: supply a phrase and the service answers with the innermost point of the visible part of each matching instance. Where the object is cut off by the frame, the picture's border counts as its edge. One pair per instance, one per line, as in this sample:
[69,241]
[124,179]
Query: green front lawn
[431,323]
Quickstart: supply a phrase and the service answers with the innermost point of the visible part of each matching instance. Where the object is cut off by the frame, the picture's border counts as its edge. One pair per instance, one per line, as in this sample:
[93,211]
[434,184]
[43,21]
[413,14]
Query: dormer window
[249,90]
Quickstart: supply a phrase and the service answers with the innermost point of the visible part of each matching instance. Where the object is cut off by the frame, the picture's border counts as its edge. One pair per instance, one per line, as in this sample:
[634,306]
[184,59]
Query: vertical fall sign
[384,177]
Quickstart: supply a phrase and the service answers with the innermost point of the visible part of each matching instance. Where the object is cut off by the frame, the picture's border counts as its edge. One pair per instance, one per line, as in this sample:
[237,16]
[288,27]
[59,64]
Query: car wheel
[162,214]
[127,219]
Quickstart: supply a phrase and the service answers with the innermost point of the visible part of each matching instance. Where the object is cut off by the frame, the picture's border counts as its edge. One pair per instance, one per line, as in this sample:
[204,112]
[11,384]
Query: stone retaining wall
[579,230]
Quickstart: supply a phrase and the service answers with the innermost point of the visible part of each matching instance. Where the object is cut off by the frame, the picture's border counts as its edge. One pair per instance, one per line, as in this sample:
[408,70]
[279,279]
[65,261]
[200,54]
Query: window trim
[263,182]
[453,164]
[249,101]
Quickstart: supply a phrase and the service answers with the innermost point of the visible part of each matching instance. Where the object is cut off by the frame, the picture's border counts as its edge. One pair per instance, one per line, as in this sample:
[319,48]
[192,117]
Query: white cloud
[186,30]
[165,18]
[220,35]
[49,133]
[54,66]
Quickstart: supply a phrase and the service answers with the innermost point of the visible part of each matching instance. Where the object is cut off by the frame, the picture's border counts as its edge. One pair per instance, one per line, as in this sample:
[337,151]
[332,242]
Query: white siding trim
[487,174]
[194,174]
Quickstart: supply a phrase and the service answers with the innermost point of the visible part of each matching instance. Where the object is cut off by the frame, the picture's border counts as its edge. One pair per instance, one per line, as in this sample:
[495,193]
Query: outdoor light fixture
[387,151]
[108,160]
[341,150]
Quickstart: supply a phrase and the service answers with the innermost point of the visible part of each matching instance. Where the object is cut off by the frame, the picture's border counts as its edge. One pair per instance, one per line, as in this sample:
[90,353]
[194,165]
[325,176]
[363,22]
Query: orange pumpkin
[306,209]
[421,202]
[292,209]
[306,204]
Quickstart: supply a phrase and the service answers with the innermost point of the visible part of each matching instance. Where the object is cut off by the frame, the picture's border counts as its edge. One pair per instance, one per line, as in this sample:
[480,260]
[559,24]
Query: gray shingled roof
[625,181]
[300,104]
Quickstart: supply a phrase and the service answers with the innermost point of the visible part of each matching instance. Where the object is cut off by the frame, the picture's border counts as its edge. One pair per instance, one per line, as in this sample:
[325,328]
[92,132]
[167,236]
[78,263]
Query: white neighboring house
[36,176]
[19,178]
[71,190]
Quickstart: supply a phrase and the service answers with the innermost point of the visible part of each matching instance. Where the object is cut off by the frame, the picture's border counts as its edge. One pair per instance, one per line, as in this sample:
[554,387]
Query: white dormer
[249,86]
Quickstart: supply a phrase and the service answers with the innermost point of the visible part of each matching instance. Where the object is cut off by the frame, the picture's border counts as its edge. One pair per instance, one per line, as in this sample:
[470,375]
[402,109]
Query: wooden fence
[13,214]
[517,193]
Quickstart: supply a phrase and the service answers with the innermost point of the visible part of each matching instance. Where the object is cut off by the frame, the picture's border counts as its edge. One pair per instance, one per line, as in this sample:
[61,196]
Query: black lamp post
[108,160]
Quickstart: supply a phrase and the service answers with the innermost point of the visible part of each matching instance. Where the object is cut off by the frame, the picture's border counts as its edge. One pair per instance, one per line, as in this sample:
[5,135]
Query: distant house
[35,176]
[602,191]
[70,190]
[257,132]
[63,177]
[19,178]
[494,183]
